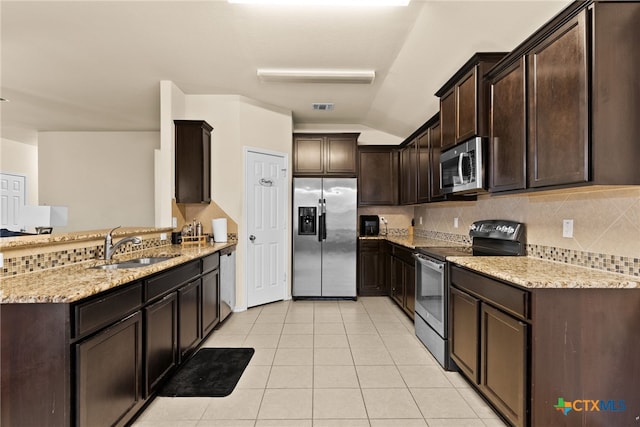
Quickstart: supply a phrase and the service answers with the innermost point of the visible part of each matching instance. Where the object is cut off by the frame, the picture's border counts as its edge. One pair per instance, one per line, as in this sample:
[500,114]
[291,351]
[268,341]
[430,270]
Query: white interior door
[266,196]
[12,199]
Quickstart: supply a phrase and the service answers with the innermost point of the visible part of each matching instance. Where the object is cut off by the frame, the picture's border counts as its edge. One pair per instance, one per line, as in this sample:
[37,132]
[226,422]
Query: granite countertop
[535,273]
[74,282]
[527,272]
[34,240]
[413,242]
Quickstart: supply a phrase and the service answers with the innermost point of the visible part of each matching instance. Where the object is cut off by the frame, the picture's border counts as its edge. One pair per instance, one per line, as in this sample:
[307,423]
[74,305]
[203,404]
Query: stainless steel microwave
[462,167]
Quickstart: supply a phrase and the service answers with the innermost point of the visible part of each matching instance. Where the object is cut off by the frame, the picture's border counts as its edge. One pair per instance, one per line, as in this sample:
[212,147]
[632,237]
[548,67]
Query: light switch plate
[567,228]
[163,236]
[1,260]
[455,223]
[174,222]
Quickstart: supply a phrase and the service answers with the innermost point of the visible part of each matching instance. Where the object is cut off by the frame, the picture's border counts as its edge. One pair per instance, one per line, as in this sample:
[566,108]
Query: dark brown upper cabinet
[409,173]
[377,175]
[419,175]
[325,154]
[193,161]
[448,118]
[562,109]
[464,100]
[507,129]
[558,97]
[429,147]
[435,143]
[424,167]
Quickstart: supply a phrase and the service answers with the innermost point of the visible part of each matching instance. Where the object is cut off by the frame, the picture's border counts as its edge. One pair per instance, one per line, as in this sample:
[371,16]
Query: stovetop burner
[490,238]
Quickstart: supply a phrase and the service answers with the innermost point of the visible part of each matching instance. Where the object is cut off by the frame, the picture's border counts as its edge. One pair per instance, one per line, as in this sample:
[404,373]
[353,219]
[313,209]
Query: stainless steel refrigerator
[324,237]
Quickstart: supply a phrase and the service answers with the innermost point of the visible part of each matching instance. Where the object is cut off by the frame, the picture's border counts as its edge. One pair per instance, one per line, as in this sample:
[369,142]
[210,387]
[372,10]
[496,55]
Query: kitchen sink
[133,263]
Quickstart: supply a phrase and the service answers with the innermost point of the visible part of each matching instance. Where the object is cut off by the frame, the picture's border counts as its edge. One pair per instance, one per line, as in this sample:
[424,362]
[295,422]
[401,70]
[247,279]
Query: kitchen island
[91,346]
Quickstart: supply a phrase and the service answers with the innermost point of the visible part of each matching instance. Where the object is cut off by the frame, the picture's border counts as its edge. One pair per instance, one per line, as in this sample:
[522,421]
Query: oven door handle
[433,265]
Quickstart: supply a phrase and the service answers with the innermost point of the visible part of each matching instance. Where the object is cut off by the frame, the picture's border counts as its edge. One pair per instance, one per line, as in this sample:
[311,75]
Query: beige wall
[21,159]
[237,123]
[104,178]
[398,217]
[606,220]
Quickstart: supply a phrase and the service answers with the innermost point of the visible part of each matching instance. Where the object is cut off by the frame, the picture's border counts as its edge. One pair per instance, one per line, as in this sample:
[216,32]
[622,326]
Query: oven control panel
[497,229]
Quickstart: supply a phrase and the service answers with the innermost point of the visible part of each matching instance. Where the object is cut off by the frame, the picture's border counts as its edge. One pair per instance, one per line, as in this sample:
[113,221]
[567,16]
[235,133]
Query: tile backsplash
[606,223]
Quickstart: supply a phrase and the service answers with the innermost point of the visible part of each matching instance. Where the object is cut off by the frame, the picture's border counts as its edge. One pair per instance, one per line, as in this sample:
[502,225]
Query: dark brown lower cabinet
[371,269]
[189,312]
[464,332]
[109,374]
[161,343]
[397,282]
[210,298]
[410,289]
[385,250]
[489,339]
[403,279]
[503,356]
[97,361]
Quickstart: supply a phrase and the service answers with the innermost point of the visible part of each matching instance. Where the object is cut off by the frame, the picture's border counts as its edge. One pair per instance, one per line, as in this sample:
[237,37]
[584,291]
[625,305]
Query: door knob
[252,238]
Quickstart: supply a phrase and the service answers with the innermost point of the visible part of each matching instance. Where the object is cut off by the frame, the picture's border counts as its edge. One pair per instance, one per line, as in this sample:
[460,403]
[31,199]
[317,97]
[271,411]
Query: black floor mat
[211,372]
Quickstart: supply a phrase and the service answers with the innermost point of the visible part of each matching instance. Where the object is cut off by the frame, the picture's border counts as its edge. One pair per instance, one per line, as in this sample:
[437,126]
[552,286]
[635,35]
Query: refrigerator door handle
[324,219]
[321,223]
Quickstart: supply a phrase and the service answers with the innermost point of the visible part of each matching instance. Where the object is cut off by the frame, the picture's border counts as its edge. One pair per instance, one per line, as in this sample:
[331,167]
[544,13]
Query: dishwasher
[227,281]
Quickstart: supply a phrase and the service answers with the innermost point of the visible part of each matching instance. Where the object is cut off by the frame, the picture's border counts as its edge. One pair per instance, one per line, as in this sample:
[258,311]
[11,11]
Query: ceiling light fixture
[296,75]
[347,3]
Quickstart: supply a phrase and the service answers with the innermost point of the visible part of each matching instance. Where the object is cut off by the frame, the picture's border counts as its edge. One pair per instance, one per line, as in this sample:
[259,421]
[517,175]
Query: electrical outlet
[1,260]
[174,222]
[163,236]
[420,220]
[455,223]
[567,228]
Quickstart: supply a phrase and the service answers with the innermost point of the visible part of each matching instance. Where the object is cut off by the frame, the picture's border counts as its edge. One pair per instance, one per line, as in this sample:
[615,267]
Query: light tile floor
[329,364]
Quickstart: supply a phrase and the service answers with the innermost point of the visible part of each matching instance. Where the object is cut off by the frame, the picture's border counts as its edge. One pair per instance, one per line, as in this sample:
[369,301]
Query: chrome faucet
[110,248]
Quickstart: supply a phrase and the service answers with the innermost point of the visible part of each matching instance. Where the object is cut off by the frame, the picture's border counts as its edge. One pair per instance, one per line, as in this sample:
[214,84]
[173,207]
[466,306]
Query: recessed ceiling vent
[322,106]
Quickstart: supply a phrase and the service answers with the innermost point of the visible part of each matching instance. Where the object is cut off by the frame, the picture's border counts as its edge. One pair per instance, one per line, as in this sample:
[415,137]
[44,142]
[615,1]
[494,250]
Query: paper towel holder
[219,229]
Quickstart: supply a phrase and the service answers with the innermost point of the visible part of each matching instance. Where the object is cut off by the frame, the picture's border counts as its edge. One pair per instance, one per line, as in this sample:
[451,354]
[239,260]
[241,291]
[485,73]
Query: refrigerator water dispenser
[307,220]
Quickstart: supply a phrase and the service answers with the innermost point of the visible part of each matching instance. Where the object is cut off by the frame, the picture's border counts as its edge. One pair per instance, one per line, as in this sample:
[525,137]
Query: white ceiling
[96,65]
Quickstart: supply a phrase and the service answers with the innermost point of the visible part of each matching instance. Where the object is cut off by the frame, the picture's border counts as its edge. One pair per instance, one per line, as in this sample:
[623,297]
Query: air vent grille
[322,106]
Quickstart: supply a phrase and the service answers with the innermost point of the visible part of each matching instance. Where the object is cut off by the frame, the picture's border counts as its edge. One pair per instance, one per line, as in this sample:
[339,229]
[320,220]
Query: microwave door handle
[460,161]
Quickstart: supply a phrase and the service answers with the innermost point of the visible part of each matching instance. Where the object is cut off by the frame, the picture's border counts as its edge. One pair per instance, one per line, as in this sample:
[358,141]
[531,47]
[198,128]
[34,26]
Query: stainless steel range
[490,238]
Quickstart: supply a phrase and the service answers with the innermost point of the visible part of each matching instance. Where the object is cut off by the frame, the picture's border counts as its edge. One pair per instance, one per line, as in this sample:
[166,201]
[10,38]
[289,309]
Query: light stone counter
[524,271]
[74,282]
[535,273]
[413,242]
[36,240]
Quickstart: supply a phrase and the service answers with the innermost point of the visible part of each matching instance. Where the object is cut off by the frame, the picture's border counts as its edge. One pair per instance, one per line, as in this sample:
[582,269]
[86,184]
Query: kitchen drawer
[210,262]
[165,282]
[93,315]
[509,298]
